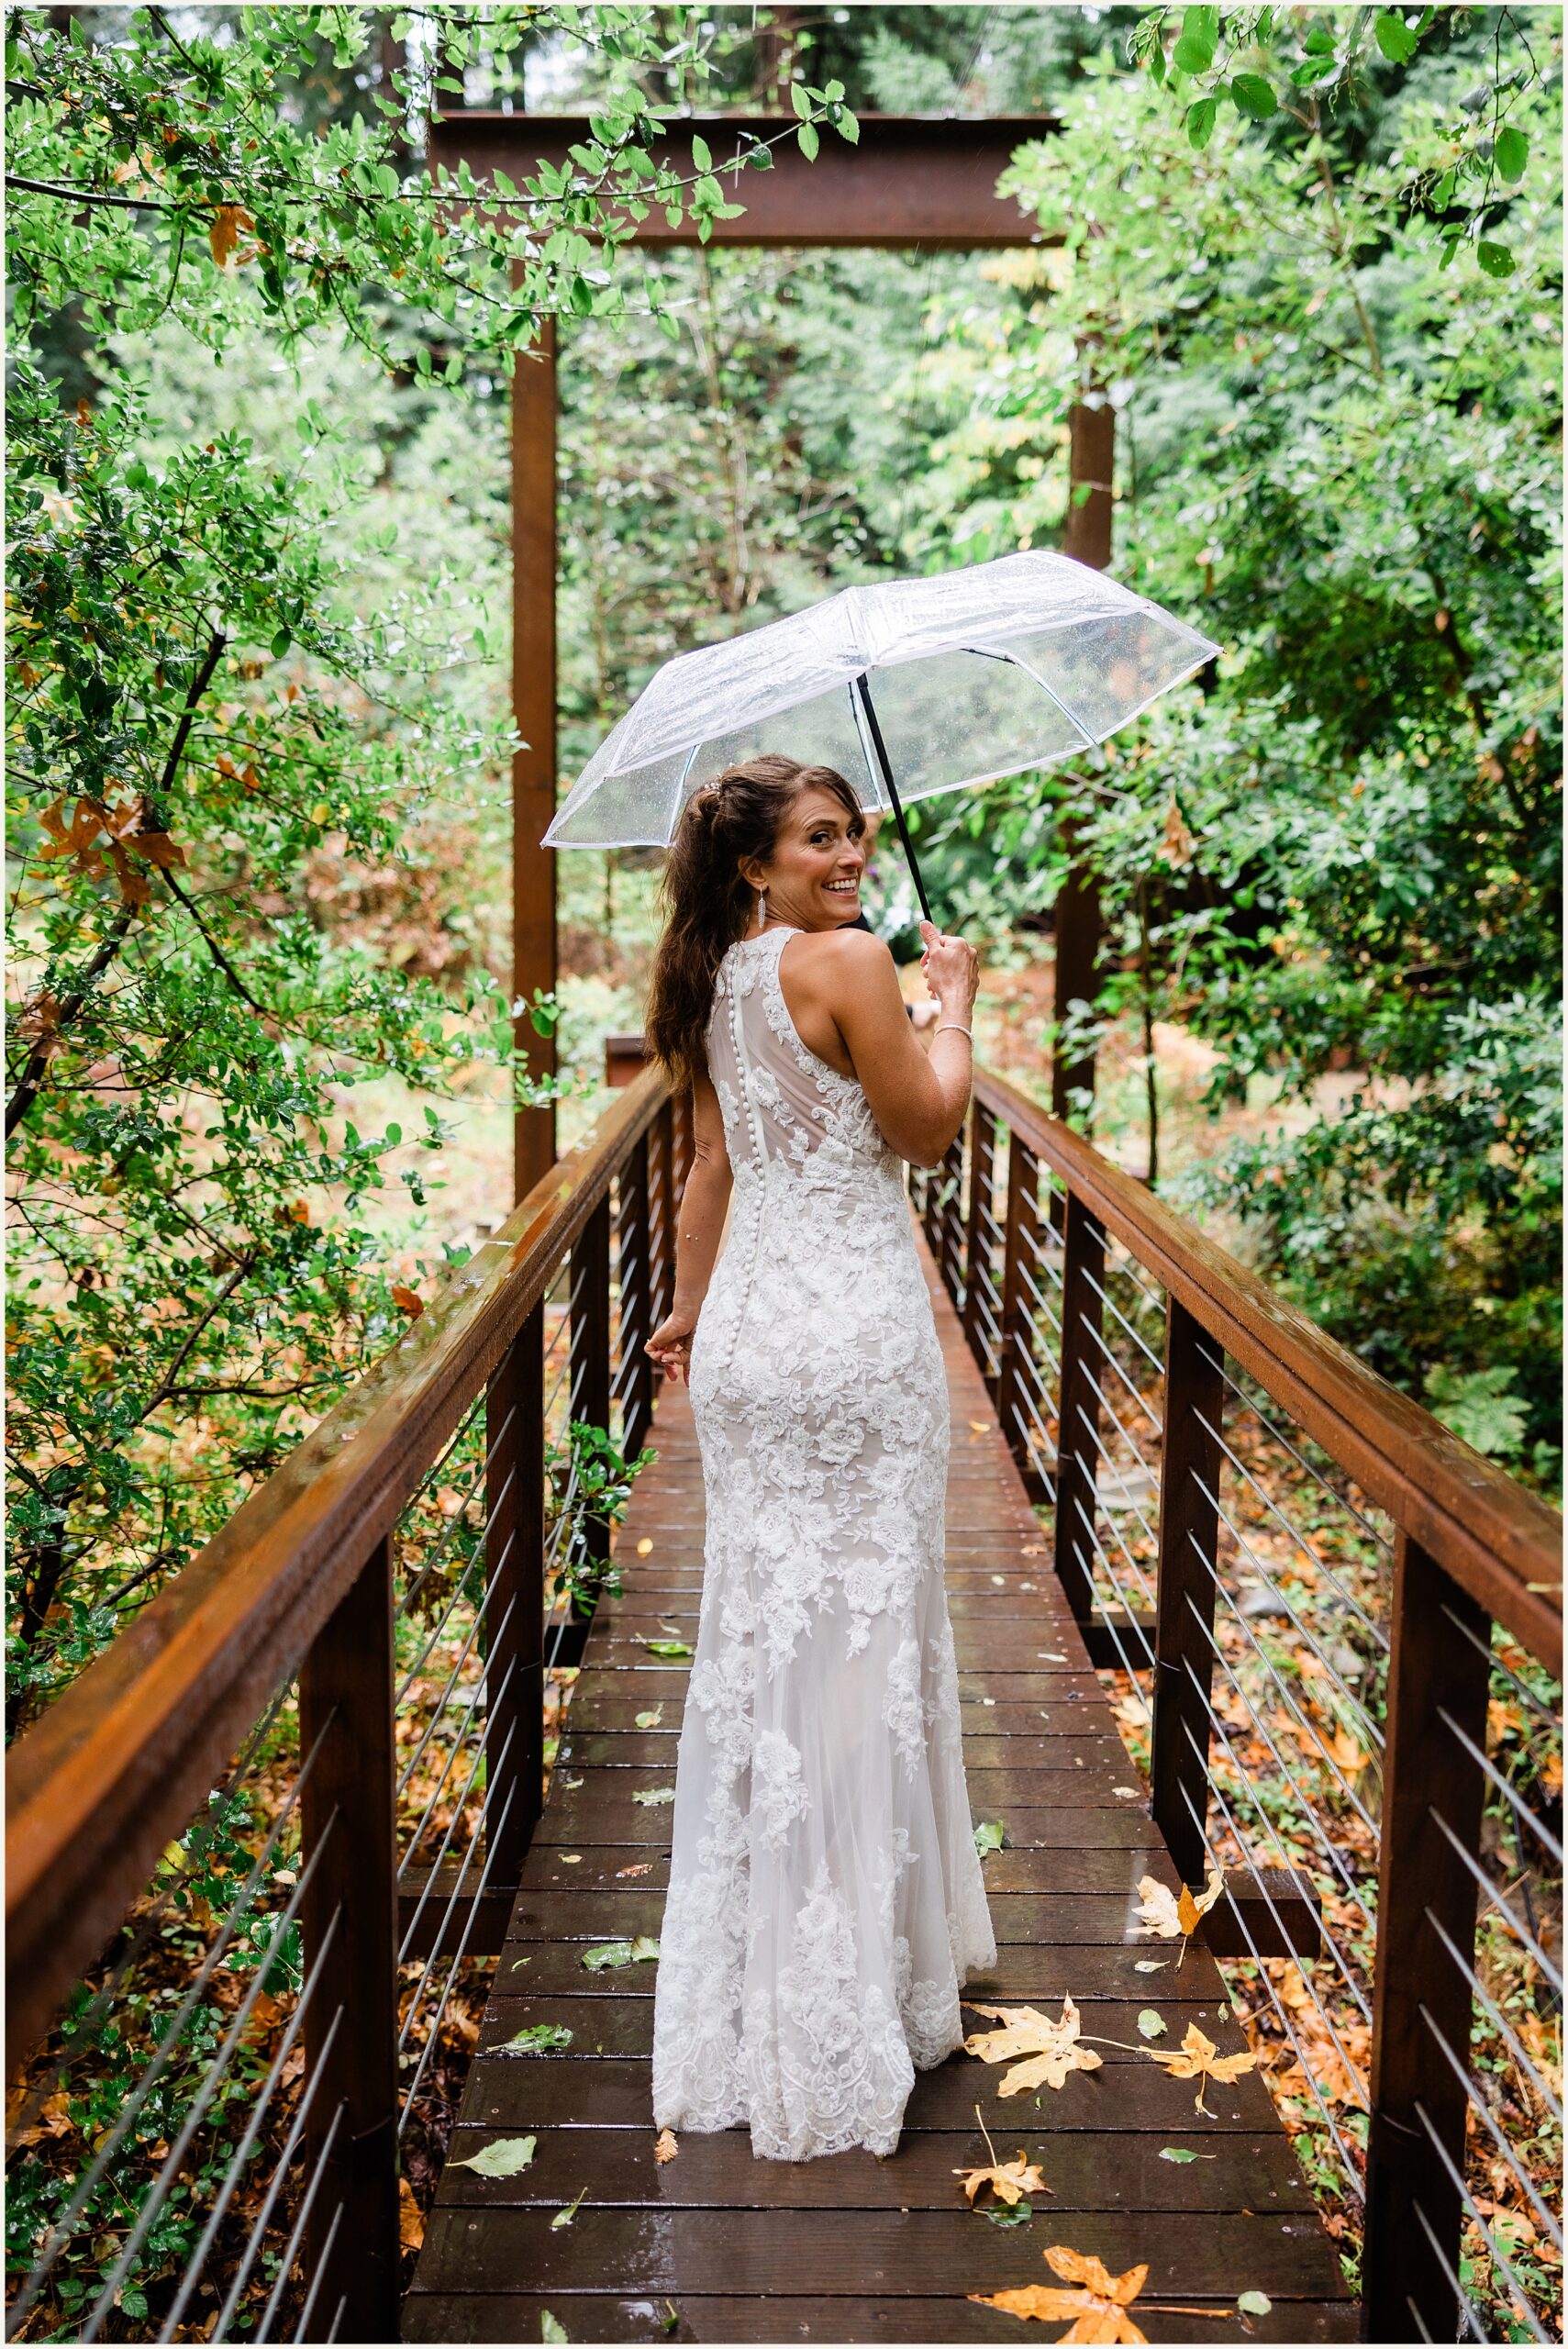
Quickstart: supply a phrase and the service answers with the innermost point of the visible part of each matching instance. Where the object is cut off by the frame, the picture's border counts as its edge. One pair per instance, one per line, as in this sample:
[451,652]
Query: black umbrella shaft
[885,763]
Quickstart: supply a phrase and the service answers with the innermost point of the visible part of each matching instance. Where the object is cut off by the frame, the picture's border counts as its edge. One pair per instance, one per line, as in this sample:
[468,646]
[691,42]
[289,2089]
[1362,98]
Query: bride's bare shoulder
[855,952]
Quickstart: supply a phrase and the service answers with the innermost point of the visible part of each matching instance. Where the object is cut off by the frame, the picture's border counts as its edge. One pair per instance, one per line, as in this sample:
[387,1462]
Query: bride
[825,1899]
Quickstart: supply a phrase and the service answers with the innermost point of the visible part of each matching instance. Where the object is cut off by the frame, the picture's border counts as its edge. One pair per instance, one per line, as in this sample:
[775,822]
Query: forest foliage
[258,716]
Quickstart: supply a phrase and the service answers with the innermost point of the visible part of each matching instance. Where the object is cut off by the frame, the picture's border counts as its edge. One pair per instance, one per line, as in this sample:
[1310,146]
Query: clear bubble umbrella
[910,688]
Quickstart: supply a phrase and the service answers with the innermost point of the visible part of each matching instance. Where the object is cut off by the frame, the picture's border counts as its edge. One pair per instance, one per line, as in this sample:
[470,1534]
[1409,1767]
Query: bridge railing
[251,1849]
[1335,1632]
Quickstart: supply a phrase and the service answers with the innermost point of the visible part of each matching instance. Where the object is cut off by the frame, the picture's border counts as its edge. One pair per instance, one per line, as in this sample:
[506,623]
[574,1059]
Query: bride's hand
[670,1344]
[952,968]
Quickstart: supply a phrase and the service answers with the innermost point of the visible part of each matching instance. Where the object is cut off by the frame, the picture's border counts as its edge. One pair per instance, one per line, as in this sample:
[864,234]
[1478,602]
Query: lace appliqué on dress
[825,1899]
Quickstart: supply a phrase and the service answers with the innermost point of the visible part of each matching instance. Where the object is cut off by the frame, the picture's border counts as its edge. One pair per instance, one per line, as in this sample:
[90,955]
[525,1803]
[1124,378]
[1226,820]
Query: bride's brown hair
[708,903]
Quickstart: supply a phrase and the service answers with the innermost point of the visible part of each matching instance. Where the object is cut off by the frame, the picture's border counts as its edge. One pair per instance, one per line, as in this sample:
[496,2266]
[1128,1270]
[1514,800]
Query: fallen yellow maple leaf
[1010,2181]
[1053,2048]
[1197,2058]
[1163,1912]
[1098,2308]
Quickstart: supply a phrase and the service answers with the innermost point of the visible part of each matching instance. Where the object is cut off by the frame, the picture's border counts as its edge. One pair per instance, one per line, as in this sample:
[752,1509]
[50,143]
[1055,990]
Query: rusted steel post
[1083,1276]
[950,1223]
[1189,1556]
[348,1927]
[681,1112]
[635,1324]
[978,1285]
[1017,1376]
[514,1600]
[1086,536]
[590,1372]
[533,705]
[661,1207]
[1422,1998]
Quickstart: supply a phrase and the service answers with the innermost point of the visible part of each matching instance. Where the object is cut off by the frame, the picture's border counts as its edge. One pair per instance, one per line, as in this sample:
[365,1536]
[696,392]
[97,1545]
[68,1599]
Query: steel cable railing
[1340,1681]
[291,1996]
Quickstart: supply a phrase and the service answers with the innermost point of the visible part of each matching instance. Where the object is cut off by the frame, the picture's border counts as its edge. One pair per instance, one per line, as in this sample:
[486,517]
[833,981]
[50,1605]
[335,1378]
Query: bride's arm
[699,1226]
[919,1095]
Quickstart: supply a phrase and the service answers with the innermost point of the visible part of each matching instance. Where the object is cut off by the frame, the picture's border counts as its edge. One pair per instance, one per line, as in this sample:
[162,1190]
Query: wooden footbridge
[1226,1608]
[716,2245]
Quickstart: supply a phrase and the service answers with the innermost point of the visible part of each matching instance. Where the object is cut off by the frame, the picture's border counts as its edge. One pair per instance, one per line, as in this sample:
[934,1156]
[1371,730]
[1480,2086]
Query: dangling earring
[762,909]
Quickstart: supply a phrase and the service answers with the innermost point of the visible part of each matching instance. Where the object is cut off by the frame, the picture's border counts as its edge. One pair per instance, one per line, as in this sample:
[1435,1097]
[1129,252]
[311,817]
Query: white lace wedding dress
[825,1899]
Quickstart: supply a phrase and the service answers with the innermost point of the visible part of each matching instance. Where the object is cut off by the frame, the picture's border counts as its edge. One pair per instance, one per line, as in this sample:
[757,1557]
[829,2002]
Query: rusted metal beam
[533,706]
[1086,536]
[912,180]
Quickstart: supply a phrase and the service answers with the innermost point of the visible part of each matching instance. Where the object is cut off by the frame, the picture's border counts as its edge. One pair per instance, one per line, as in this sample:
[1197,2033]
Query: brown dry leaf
[410,2218]
[642,1868]
[1197,2058]
[223,233]
[1193,1906]
[1098,2308]
[1052,2048]
[407,1300]
[74,837]
[1010,2181]
[1176,848]
[665,2145]
[1162,1913]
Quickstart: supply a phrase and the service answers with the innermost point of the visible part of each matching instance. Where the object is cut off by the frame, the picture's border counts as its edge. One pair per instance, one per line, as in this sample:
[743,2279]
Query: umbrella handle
[863,692]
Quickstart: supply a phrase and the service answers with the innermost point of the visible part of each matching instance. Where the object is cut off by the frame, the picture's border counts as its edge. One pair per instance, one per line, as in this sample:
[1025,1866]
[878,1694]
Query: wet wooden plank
[605,2025]
[860,2253]
[601,2317]
[1085,2169]
[1071,1918]
[520,2093]
[1035,1974]
[716,2244]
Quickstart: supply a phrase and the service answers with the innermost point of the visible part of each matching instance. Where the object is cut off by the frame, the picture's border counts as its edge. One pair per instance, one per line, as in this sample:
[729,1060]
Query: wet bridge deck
[716,2245]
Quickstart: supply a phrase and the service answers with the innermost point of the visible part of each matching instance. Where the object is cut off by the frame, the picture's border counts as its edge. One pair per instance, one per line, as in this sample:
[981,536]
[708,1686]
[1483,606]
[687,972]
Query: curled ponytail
[708,905]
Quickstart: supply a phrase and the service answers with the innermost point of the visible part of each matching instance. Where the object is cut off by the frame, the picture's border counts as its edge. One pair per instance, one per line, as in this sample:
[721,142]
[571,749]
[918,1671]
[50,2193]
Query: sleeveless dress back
[825,1901]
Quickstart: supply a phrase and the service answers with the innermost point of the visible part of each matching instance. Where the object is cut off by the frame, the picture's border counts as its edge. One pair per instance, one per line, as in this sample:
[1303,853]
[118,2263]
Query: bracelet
[957,1027]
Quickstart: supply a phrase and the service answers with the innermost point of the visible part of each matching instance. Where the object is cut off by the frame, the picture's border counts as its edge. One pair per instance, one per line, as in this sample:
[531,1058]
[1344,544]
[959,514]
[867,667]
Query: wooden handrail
[1499,1542]
[125,1757]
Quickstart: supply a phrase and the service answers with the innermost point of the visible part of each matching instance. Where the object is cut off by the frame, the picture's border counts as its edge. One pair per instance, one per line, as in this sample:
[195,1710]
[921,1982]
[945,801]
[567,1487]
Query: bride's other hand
[671,1345]
[952,972]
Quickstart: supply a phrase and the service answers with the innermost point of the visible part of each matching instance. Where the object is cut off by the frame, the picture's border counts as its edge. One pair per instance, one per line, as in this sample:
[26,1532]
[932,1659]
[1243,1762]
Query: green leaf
[1001,2216]
[799,100]
[1201,119]
[1394,38]
[1151,1965]
[537,2039]
[1511,153]
[1254,96]
[551,2327]
[653,1798]
[807,135]
[611,1954]
[504,2157]
[1176,2153]
[1193,52]
[564,2217]
[651,1721]
[988,1836]
[1151,2025]
[846,126]
[702,154]
[1253,2303]
[668,1647]
[280,643]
